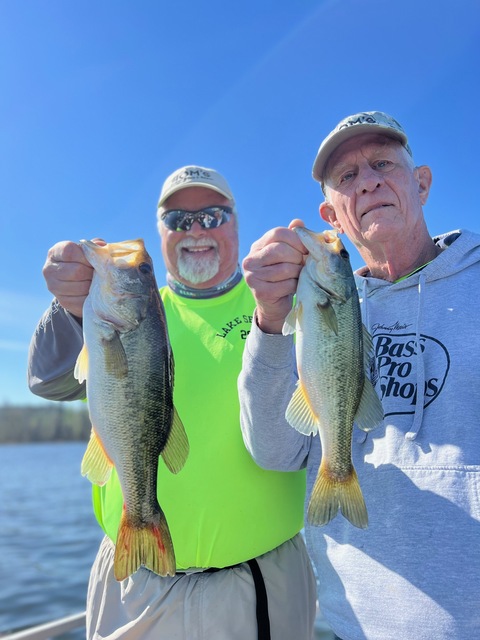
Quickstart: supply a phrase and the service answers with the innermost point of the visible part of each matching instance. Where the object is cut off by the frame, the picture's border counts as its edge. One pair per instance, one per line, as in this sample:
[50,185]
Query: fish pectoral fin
[299,413]
[116,362]
[290,324]
[96,464]
[81,366]
[175,452]
[329,315]
[370,411]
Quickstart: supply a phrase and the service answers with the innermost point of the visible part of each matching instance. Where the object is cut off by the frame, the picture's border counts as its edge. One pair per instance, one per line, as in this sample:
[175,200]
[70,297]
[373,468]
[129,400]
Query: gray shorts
[203,606]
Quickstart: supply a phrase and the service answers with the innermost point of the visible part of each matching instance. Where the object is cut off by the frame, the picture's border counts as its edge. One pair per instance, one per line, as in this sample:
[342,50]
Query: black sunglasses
[208,218]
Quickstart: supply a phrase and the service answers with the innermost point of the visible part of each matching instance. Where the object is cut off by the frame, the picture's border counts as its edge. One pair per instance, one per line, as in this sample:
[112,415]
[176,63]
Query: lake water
[48,534]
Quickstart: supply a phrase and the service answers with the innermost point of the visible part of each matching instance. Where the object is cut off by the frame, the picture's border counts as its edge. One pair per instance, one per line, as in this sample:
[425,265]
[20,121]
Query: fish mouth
[129,253]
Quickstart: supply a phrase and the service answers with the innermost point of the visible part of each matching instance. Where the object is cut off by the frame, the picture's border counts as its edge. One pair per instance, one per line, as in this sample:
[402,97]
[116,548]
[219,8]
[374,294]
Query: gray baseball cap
[194,176]
[365,122]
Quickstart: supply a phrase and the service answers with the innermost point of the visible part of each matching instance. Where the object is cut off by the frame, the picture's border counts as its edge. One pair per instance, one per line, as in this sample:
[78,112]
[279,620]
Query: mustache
[187,243]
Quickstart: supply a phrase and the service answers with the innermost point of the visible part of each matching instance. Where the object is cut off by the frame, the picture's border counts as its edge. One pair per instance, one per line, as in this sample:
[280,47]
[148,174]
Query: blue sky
[101,100]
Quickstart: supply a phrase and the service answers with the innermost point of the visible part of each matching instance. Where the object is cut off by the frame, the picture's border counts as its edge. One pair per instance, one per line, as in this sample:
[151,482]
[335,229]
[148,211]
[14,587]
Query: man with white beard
[242,568]
[198,226]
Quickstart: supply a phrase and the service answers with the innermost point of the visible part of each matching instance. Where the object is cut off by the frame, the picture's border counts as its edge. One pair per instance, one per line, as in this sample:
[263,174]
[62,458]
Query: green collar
[412,272]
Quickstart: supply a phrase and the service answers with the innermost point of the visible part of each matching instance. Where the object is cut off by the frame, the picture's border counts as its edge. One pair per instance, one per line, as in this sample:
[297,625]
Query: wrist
[268,324]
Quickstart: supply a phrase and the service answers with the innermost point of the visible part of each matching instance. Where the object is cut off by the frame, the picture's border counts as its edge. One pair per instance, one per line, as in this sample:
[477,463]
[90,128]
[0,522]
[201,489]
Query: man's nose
[368,180]
[196,230]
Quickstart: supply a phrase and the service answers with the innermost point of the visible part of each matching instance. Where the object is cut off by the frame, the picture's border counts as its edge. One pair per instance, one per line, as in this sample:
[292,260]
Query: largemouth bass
[333,391]
[128,365]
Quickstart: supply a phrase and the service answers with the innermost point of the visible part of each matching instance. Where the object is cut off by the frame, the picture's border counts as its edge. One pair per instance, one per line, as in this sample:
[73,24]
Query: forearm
[266,384]
[54,349]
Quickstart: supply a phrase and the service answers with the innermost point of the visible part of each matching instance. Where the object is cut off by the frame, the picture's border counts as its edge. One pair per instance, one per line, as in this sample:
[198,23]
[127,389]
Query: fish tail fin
[149,545]
[329,495]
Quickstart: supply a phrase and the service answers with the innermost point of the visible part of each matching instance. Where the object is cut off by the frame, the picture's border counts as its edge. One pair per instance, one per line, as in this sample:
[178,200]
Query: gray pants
[203,606]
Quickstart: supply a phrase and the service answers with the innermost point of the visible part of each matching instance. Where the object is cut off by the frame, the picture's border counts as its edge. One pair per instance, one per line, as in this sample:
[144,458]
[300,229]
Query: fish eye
[344,254]
[145,267]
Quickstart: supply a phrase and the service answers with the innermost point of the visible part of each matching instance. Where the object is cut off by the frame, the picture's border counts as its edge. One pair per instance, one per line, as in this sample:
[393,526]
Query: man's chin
[195,274]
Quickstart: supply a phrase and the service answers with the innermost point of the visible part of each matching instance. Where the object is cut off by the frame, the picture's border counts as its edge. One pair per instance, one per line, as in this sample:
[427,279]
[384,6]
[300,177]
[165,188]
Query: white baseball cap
[194,176]
[365,122]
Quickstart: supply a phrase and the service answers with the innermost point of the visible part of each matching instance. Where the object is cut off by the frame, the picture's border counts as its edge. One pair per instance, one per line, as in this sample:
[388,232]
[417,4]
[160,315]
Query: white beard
[197,266]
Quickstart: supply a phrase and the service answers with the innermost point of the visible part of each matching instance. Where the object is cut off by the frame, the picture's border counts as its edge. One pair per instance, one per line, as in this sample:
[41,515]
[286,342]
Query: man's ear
[423,176]
[327,212]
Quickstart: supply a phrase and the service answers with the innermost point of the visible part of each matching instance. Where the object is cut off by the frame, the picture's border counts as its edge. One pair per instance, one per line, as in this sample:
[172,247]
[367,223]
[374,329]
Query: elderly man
[414,572]
[242,568]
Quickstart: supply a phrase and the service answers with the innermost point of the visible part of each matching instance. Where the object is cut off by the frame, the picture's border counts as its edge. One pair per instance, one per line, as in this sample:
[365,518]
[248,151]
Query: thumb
[296,222]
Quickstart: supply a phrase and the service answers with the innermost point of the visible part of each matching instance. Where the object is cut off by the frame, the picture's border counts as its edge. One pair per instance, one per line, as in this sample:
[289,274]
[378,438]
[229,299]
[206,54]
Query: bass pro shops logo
[397,358]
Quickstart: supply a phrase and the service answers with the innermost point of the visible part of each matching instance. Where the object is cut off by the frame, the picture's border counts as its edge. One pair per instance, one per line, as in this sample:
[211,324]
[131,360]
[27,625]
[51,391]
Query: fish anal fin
[370,411]
[330,495]
[149,545]
[81,366]
[96,464]
[299,413]
[175,452]
[116,362]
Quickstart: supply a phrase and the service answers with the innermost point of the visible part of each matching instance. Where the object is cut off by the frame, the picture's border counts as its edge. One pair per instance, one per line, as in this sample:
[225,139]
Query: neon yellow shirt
[221,508]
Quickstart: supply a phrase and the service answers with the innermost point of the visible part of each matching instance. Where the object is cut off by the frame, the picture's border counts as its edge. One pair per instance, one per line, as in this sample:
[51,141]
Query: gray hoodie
[414,573]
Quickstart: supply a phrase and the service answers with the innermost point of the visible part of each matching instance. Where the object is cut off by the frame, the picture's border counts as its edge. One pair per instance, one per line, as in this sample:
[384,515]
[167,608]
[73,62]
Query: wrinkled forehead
[365,143]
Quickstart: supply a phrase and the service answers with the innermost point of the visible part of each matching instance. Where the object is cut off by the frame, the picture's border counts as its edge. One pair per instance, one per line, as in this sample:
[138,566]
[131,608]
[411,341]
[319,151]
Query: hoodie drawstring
[360,435]
[420,393]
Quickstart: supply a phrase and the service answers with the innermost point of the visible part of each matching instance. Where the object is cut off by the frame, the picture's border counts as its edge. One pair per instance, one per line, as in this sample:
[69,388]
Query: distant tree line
[57,421]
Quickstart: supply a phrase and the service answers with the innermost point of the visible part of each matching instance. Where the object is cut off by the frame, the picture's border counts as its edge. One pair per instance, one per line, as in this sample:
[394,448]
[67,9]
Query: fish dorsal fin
[176,450]
[116,362]
[295,314]
[328,314]
[299,413]
[96,464]
[81,366]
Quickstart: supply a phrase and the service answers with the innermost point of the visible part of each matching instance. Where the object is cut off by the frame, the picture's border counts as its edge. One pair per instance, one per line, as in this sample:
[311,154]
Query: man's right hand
[271,271]
[68,275]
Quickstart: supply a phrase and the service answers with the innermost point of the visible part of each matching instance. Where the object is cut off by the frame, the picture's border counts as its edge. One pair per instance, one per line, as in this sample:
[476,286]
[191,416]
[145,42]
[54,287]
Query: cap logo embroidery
[360,120]
[368,119]
[190,174]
